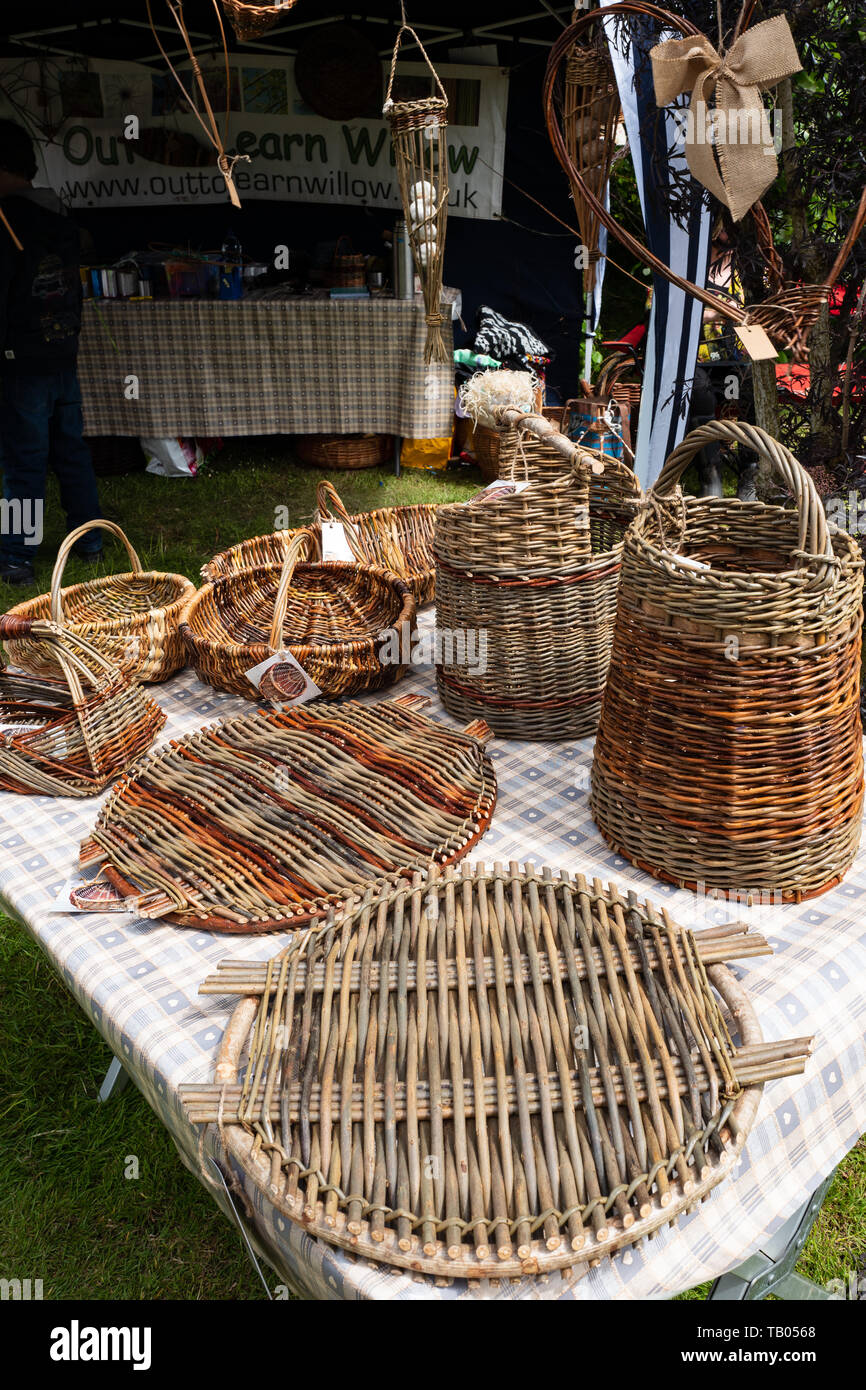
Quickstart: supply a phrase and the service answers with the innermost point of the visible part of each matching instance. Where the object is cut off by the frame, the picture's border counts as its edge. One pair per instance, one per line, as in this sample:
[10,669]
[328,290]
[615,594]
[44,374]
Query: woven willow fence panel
[490,1073]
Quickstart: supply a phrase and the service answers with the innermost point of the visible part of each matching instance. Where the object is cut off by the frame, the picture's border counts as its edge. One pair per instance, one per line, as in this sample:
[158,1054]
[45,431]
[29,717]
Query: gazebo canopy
[117,30]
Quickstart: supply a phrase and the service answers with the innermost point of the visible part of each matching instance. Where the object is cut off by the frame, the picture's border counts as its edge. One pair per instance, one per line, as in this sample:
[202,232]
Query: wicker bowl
[399,539]
[133,619]
[331,617]
[343,450]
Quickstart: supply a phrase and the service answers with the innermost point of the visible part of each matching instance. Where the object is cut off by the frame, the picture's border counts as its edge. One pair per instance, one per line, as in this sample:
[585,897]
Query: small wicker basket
[348,269]
[69,736]
[133,619]
[343,451]
[332,618]
[730,751]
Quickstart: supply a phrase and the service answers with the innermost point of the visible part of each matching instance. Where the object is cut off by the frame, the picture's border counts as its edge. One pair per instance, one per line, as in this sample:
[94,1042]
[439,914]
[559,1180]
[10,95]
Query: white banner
[123,136]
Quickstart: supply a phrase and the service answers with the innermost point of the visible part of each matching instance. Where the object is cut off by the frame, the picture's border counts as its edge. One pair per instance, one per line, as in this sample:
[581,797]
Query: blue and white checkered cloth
[139,982]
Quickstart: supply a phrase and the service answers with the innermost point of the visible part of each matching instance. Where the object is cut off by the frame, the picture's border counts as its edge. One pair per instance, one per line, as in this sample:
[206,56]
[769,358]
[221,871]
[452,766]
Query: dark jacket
[40,287]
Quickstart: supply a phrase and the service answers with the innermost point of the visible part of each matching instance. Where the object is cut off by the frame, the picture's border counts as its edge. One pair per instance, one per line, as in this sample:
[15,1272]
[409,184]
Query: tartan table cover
[138,982]
[247,367]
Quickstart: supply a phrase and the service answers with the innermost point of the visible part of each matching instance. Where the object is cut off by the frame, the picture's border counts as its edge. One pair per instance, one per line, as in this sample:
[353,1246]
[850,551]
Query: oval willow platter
[489,1073]
[263,821]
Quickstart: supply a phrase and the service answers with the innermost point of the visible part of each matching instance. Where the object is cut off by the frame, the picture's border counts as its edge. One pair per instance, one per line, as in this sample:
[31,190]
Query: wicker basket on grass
[729,752]
[331,617]
[399,539]
[133,619]
[343,451]
[72,735]
[527,583]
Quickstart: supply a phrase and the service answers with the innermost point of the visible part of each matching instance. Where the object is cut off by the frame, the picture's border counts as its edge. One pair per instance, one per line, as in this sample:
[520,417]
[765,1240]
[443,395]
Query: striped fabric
[675,320]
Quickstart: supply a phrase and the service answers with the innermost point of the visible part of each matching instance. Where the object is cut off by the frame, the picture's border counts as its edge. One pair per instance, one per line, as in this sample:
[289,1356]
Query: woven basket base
[698,873]
[533,722]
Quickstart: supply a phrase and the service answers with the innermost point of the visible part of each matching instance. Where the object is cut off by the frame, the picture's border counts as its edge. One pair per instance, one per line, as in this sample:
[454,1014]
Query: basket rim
[315,527]
[843,564]
[230,647]
[186,587]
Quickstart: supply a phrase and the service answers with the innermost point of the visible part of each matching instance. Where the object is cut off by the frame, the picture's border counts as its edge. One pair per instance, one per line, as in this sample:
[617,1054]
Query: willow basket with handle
[73,734]
[333,617]
[133,619]
[729,751]
[531,579]
[489,1073]
[399,539]
[264,821]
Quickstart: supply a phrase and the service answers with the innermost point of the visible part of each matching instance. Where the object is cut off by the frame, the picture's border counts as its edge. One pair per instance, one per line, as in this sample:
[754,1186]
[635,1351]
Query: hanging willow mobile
[225,162]
[419,131]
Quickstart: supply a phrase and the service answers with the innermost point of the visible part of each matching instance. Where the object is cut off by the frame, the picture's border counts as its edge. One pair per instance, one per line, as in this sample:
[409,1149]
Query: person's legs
[69,457]
[25,413]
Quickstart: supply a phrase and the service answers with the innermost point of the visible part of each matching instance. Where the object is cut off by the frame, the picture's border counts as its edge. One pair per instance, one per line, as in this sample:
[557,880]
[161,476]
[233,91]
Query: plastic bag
[172,458]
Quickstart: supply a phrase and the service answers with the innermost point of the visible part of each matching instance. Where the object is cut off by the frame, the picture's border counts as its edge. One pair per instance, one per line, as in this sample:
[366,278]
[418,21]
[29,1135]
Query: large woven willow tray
[489,1073]
[263,821]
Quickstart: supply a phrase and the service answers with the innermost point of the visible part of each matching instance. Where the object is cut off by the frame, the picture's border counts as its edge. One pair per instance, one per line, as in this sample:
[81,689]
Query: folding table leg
[771,1270]
[398,445]
[116,1080]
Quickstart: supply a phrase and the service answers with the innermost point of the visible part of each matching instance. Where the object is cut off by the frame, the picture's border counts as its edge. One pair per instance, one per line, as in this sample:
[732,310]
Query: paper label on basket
[334,543]
[500,487]
[92,895]
[283,680]
[755,341]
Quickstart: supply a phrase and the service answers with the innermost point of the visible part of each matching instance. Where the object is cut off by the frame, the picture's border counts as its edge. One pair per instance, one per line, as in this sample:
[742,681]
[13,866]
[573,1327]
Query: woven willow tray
[263,821]
[593,1029]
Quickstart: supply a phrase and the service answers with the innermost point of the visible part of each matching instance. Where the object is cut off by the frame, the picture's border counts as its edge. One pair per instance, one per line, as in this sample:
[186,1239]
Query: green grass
[68,1215]
[176,524]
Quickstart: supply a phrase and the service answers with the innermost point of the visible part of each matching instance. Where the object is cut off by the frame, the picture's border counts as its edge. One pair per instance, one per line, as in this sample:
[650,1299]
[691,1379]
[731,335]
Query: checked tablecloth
[138,982]
[247,367]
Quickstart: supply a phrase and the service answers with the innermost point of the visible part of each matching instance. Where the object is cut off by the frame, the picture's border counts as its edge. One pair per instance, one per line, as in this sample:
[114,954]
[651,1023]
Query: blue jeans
[40,428]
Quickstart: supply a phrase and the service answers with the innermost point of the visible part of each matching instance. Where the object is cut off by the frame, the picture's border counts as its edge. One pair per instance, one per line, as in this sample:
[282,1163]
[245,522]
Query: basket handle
[64,552]
[407,29]
[330,505]
[72,649]
[814,536]
[299,548]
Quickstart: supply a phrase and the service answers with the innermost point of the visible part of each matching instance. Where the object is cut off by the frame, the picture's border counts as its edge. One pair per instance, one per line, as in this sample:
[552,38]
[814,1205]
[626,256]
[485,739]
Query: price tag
[334,543]
[755,341]
[283,680]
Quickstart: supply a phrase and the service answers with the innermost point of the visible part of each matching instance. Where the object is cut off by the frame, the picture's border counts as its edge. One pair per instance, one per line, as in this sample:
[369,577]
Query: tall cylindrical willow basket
[729,753]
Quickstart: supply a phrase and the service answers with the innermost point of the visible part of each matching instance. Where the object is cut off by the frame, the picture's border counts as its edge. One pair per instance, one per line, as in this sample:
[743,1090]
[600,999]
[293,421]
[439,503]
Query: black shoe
[91,556]
[16,574]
